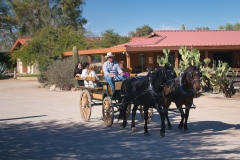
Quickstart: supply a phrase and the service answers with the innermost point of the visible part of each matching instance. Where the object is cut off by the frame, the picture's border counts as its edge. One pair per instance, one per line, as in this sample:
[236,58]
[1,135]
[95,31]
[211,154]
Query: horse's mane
[134,87]
[186,73]
[157,75]
[135,84]
[160,71]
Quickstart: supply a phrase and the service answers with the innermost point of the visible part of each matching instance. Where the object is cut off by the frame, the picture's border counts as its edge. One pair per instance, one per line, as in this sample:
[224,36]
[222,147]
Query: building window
[141,61]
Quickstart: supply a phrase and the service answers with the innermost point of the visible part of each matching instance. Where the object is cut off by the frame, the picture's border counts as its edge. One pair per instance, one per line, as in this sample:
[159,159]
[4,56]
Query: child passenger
[92,73]
[122,66]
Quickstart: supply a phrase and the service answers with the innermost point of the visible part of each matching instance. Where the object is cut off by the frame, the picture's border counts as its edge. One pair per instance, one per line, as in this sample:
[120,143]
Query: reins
[150,90]
[188,92]
[185,92]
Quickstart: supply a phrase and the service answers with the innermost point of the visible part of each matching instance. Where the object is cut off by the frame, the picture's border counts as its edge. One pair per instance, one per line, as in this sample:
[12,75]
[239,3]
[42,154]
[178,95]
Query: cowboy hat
[109,54]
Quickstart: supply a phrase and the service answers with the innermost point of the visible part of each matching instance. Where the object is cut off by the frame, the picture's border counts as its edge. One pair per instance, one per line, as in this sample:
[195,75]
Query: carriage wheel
[85,105]
[107,111]
[150,113]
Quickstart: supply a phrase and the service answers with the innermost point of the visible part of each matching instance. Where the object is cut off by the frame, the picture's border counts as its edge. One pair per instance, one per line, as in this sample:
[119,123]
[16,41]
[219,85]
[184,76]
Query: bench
[236,80]
[88,78]
[124,70]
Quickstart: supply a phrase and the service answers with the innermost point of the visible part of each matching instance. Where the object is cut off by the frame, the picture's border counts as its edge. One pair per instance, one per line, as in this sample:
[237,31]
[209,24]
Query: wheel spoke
[85,105]
[107,111]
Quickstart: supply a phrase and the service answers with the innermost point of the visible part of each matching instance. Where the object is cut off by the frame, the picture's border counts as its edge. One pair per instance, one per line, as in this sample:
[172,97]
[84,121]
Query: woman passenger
[78,72]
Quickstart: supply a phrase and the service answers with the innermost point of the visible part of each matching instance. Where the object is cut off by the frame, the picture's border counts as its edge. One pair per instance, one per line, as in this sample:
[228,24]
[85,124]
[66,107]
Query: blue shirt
[111,68]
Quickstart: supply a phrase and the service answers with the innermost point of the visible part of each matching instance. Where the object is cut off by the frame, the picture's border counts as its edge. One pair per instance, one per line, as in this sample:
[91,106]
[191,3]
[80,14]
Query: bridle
[151,90]
[192,78]
[170,81]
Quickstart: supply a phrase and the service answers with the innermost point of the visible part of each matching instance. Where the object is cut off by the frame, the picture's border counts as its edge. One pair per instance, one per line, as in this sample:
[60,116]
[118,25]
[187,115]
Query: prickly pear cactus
[188,57]
[206,74]
[163,60]
[218,78]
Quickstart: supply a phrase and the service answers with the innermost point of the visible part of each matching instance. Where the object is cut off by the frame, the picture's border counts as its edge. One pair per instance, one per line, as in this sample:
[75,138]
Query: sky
[123,16]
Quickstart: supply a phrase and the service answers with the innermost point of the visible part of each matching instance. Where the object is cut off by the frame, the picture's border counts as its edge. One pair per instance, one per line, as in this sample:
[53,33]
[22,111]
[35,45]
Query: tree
[143,31]
[202,28]
[27,17]
[7,27]
[49,44]
[230,26]
[237,26]
[70,13]
[30,15]
[110,38]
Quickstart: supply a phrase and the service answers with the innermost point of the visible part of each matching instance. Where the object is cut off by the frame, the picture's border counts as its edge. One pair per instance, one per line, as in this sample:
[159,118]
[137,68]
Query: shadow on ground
[92,140]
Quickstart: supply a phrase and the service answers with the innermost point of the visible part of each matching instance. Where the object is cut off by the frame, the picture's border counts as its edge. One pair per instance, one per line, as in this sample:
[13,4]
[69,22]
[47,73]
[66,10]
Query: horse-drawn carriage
[147,92]
[111,102]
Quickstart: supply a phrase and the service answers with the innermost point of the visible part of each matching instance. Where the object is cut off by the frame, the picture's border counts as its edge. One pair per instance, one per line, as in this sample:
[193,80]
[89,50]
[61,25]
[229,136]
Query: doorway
[224,57]
[141,61]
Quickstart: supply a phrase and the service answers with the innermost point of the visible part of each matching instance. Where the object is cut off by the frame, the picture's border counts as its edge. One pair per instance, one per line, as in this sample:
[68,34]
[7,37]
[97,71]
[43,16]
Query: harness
[185,92]
[150,90]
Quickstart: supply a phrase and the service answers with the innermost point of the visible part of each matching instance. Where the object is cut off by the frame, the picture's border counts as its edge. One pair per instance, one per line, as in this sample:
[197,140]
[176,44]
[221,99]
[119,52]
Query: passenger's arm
[95,75]
[84,74]
[105,71]
[119,70]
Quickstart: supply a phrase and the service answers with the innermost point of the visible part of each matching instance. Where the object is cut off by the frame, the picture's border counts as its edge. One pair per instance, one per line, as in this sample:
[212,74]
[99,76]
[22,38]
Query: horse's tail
[123,90]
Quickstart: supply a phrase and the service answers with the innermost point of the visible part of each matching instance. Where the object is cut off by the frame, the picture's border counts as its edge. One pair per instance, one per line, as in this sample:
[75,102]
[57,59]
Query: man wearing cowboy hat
[112,71]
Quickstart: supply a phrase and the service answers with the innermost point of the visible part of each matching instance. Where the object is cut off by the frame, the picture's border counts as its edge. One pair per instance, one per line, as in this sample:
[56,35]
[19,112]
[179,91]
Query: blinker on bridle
[169,80]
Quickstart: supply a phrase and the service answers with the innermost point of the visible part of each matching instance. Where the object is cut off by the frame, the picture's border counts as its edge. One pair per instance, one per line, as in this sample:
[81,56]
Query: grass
[30,75]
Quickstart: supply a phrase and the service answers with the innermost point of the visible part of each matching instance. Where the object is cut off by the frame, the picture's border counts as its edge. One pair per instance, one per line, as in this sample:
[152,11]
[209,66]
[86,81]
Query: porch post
[103,59]
[176,59]
[128,60]
[206,54]
[89,59]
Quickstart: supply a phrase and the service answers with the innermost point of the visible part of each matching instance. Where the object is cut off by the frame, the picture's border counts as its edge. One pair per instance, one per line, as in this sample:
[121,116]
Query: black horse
[183,94]
[147,91]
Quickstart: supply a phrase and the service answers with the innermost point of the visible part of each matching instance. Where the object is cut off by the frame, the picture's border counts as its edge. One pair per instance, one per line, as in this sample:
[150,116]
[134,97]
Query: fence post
[14,73]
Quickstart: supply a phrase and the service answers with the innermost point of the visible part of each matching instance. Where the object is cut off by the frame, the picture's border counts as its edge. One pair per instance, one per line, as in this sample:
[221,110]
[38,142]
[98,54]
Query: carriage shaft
[173,109]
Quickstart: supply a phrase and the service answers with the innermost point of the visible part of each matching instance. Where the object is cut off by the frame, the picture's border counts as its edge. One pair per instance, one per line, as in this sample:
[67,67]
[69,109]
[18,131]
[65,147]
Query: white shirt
[90,83]
[84,73]
[111,68]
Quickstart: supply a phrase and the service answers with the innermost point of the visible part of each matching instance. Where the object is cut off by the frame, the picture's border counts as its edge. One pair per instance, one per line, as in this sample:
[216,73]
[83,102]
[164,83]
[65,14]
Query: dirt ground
[37,123]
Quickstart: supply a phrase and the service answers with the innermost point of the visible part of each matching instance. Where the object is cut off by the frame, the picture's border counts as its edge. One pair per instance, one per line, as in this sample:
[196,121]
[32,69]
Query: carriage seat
[88,78]
[124,70]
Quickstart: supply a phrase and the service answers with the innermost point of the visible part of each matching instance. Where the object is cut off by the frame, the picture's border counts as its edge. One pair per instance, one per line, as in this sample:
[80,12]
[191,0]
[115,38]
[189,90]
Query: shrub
[3,70]
[59,73]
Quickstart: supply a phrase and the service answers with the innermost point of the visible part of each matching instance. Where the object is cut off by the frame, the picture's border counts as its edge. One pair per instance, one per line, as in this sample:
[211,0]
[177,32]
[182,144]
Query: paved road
[40,124]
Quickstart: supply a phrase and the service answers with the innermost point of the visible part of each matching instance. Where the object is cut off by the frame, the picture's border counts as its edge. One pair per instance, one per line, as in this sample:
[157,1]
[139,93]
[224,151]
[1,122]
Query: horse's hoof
[122,126]
[134,129]
[180,127]
[162,134]
[147,134]
[185,130]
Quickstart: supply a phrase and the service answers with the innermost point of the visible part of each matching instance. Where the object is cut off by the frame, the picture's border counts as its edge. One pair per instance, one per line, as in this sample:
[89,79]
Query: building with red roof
[143,51]
[21,68]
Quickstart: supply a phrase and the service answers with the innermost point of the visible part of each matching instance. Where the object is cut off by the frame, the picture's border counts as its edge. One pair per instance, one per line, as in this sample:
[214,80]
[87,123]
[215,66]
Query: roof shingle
[21,41]
[187,38]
